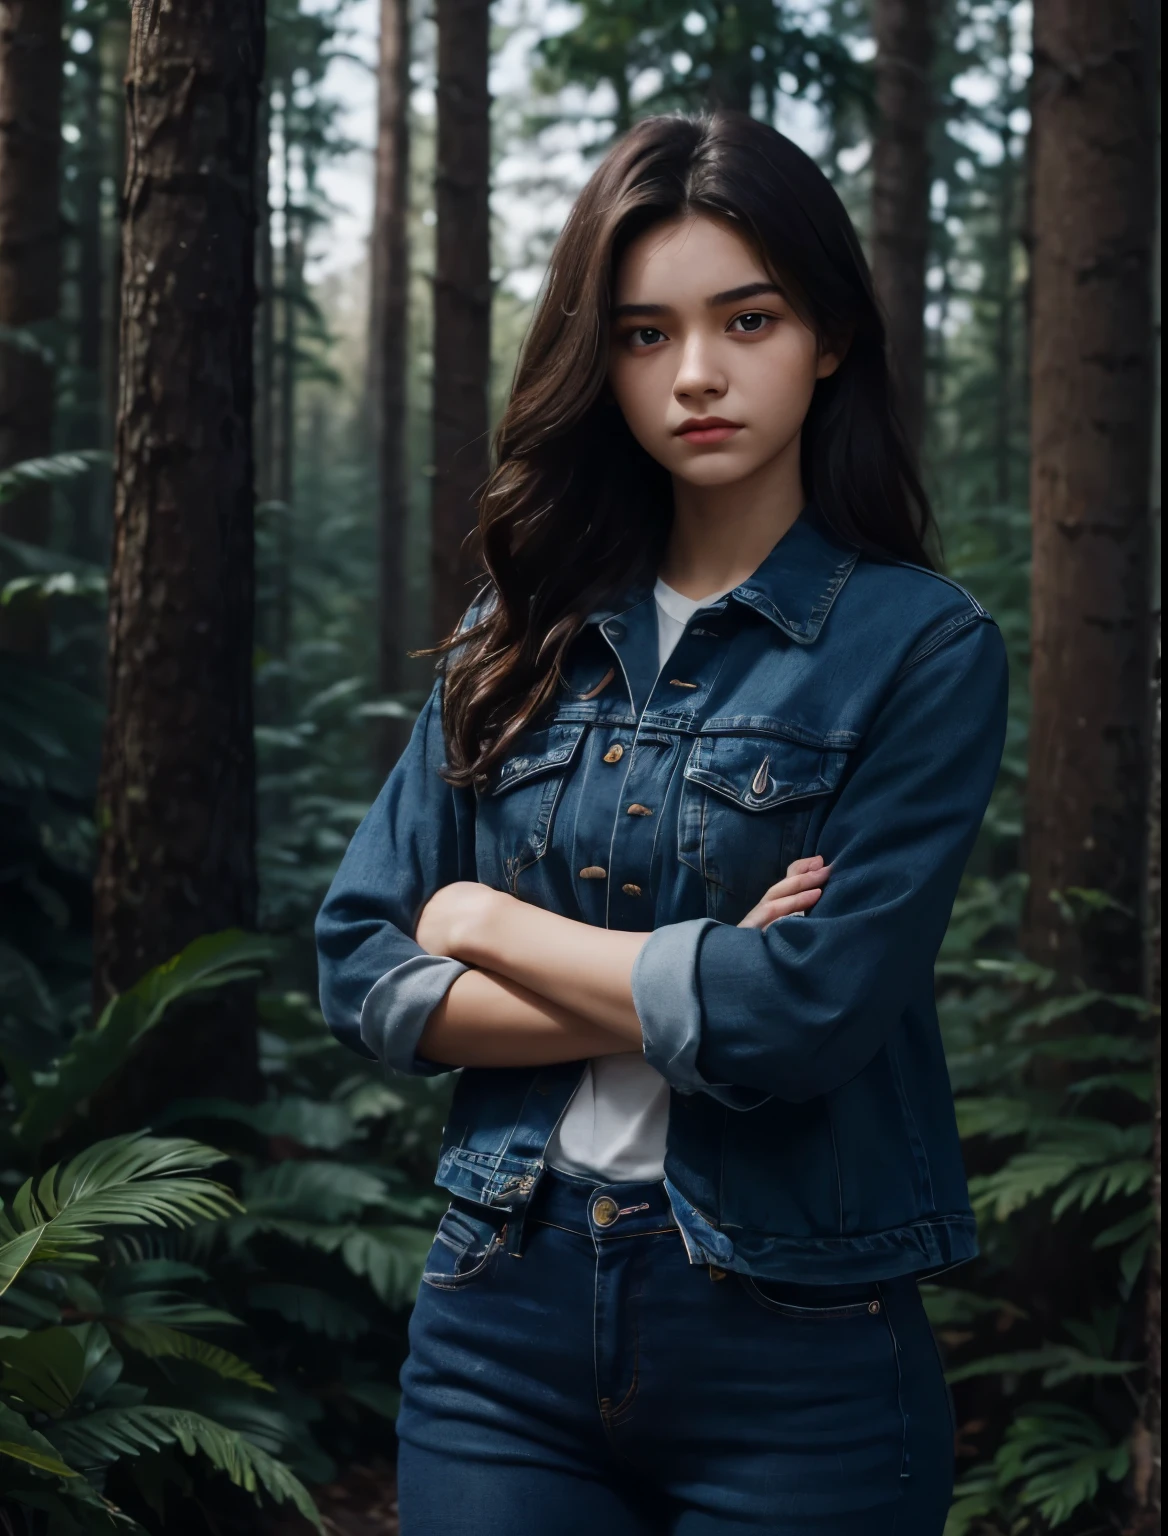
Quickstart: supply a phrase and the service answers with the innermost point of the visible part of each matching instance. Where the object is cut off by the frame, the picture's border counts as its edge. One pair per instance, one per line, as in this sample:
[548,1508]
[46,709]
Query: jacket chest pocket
[516,810]
[747,801]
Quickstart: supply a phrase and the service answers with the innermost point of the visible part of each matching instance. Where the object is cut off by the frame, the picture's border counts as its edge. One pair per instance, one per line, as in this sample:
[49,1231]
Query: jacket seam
[939,637]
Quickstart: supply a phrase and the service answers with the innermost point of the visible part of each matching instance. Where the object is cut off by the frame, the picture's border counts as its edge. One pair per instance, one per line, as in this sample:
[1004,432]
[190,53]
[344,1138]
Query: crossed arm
[545,988]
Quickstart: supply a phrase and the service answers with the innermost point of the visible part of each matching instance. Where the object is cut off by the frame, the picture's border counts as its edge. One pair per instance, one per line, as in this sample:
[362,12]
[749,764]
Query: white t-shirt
[615,1126]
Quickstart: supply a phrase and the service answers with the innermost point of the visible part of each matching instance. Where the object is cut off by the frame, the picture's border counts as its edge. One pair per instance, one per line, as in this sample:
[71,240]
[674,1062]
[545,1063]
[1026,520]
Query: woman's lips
[709,432]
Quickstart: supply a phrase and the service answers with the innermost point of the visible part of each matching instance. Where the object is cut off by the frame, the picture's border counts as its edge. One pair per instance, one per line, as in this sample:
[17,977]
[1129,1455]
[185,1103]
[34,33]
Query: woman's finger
[788,906]
[771,908]
[802,881]
[801,866]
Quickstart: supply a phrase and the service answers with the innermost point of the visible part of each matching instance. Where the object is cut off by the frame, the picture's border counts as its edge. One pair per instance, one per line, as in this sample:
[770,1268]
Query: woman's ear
[832,351]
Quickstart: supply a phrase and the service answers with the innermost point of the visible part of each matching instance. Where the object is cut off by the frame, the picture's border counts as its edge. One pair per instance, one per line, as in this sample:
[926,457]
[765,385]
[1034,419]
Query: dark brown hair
[576,512]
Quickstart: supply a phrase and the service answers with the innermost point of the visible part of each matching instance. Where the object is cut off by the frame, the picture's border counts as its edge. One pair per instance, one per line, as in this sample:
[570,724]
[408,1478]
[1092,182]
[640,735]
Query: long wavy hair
[575,512]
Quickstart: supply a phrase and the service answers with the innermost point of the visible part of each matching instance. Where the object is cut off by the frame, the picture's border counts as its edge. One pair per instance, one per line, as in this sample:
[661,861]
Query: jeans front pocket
[813,1303]
[463,1249]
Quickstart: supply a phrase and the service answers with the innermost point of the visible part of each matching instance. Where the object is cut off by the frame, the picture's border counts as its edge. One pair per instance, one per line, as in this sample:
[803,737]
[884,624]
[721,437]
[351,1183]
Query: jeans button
[605,1211]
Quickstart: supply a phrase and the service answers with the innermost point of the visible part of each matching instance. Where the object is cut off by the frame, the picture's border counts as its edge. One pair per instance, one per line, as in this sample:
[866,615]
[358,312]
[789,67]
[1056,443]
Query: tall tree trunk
[904,33]
[86,497]
[284,465]
[30,262]
[265,341]
[1147,1455]
[176,794]
[731,82]
[389,298]
[1005,355]
[462,301]
[1093,196]
[114,46]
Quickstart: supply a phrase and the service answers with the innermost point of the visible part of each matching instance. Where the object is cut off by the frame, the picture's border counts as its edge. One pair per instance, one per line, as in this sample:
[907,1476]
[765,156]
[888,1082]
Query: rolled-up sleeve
[378,986]
[800,1007]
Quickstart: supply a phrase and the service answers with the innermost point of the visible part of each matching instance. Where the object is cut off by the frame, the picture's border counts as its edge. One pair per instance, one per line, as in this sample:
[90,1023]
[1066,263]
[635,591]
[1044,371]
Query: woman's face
[711,366]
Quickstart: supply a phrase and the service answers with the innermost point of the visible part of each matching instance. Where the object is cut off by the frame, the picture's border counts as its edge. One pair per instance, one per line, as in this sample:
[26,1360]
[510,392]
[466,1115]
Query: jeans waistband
[600,1211]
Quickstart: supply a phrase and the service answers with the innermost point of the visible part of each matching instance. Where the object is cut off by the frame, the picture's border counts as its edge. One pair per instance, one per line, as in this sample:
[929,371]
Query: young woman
[665,869]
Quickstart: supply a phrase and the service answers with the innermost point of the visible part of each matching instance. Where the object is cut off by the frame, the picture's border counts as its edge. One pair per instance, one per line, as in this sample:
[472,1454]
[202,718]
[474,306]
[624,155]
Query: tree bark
[1093,197]
[904,34]
[389,298]
[462,302]
[284,463]
[176,795]
[1146,1447]
[88,417]
[30,263]
[265,341]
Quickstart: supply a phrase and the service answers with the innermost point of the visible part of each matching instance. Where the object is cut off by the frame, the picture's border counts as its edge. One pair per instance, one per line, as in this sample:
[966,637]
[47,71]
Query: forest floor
[363,1502]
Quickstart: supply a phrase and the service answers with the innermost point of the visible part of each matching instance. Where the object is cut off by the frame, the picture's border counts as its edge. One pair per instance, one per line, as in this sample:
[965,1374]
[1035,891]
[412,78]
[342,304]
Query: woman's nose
[700,372]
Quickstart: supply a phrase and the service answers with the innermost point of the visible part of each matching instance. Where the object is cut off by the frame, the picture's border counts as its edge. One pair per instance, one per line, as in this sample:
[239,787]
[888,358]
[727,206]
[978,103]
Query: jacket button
[605,1211]
[593,872]
[873,1307]
[614,753]
[638,810]
[631,889]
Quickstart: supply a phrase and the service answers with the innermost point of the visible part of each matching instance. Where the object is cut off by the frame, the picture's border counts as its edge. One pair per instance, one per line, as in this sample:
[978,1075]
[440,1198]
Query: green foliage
[112,1433]
[126,1181]
[96,1054]
[70,1406]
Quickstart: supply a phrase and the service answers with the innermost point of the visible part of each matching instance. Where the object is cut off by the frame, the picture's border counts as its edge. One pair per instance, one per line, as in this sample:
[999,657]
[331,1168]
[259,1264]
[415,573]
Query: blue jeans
[601,1385]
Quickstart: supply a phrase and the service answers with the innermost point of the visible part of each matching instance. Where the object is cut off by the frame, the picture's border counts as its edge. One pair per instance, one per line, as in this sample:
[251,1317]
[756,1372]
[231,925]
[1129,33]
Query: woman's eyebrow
[729,296]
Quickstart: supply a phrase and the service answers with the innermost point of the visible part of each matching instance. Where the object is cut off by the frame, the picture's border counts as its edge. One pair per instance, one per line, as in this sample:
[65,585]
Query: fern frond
[1057,1362]
[214,960]
[307,1121]
[317,1311]
[110,1433]
[304,1189]
[124,1181]
[157,1341]
[1058,1456]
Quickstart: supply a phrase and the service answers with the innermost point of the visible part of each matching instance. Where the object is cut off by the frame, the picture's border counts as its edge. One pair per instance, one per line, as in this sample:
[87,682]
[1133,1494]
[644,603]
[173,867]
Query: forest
[240,446]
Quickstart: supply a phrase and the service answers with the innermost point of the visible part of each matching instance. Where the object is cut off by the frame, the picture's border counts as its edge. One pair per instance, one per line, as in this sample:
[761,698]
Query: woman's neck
[721,534]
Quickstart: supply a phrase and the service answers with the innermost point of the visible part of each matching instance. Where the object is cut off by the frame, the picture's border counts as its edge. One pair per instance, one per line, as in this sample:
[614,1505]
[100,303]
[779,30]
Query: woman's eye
[749,323]
[646,336]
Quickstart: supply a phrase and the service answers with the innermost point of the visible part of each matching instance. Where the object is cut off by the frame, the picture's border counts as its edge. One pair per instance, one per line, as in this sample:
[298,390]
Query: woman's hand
[797,891]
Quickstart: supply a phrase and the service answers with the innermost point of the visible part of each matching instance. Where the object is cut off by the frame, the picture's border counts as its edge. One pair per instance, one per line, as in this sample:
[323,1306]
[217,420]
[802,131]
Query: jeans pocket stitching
[439,1280]
[808,1314]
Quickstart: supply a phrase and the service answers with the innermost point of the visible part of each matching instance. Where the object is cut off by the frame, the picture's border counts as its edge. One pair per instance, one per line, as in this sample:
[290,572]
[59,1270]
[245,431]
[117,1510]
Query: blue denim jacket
[831,704]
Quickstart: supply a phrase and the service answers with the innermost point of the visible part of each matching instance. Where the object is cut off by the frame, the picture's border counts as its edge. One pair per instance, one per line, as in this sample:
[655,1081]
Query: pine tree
[903,30]
[1093,199]
[30,264]
[462,301]
[176,796]
[388,352]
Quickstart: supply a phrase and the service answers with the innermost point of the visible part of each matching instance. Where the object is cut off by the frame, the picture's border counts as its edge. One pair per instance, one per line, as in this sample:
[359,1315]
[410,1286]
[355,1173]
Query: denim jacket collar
[795,585]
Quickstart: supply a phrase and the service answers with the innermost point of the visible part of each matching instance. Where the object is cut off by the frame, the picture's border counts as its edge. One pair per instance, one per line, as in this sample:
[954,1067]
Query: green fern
[125,1181]
[216,960]
[314,1310]
[1054,1459]
[57,469]
[157,1341]
[108,1434]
